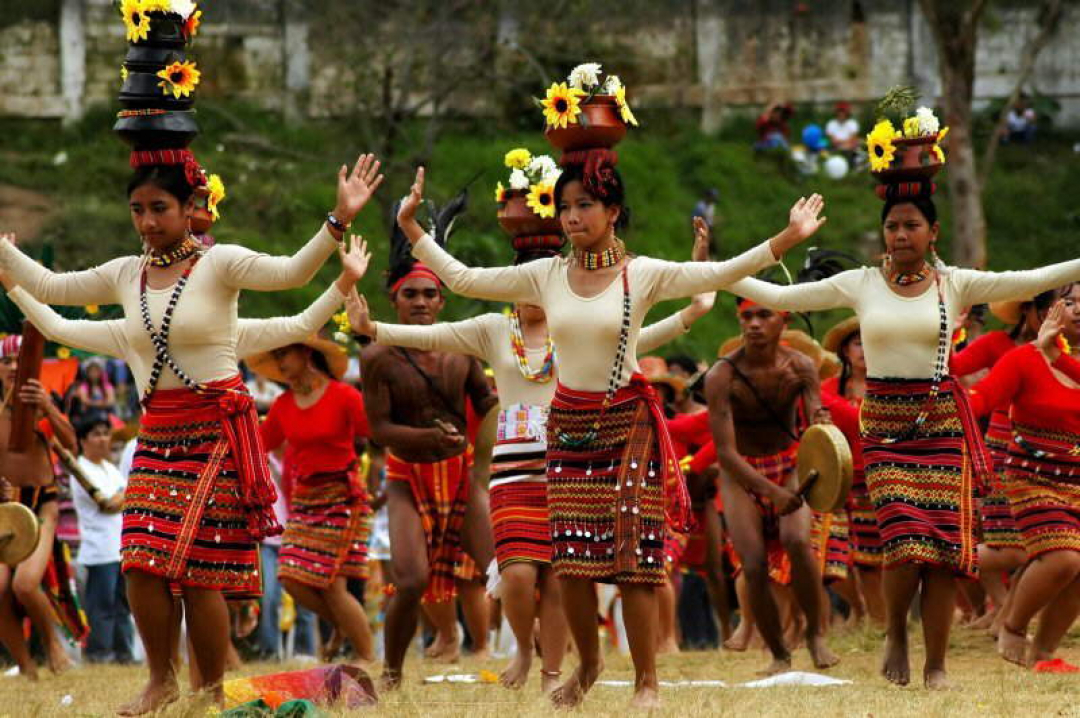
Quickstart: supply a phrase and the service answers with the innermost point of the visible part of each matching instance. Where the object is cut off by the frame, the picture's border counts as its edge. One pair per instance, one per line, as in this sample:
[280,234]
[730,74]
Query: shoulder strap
[765,405]
[431,383]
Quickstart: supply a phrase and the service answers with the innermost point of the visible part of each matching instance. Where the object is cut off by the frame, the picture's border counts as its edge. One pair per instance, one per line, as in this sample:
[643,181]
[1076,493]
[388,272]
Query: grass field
[984,686]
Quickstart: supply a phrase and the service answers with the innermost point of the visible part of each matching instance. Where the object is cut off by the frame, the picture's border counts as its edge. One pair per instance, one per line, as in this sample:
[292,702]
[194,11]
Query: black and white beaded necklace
[160,339]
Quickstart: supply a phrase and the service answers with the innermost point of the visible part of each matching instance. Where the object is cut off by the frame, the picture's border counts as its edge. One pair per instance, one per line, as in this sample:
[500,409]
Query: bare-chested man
[754,397]
[28,477]
[415,402]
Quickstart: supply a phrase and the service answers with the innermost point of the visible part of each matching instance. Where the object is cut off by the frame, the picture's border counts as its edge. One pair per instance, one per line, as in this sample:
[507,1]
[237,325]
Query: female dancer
[325,541]
[607,515]
[1042,479]
[912,407]
[200,495]
[94,391]
[519,349]
[843,396]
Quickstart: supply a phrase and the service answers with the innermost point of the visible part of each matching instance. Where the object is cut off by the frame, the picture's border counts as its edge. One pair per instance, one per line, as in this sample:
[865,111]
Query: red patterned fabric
[192,170]
[418,271]
[327,532]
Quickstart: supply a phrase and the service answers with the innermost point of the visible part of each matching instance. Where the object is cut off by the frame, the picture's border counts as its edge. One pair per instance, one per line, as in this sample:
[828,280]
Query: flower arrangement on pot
[912,153]
[527,206]
[588,110]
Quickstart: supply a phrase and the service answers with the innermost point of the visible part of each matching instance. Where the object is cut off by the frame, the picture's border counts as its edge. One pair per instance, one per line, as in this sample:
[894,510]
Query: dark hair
[318,360]
[90,421]
[530,255]
[610,181]
[845,364]
[1041,302]
[684,362]
[922,203]
[170,178]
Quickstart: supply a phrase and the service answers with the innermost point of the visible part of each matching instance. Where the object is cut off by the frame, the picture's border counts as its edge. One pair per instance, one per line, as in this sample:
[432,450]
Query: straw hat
[836,336]
[652,367]
[264,363]
[677,383]
[798,340]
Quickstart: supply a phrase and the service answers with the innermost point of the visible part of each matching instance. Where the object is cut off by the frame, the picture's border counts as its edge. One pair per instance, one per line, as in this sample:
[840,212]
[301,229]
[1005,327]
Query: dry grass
[985,686]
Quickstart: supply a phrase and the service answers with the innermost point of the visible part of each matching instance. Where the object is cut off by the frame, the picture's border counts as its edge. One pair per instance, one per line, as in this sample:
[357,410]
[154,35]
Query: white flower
[611,85]
[183,8]
[341,337]
[519,180]
[552,177]
[541,166]
[585,76]
[928,124]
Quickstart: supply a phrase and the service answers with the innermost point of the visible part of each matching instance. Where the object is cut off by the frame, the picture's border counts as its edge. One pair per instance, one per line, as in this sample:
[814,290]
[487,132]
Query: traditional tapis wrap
[999,528]
[829,535]
[777,469]
[866,548]
[610,498]
[440,490]
[327,532]
[922,478]
[196,501]
[1042,479]
[518,487]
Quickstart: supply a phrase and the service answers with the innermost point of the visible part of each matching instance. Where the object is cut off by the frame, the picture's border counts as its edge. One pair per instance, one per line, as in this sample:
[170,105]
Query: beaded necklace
[905,279]
[600,260]
[613,381]
[160,339]
[517,343]
[184,249]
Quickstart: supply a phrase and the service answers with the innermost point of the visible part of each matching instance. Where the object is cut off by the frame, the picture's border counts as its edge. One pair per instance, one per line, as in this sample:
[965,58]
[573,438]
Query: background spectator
[1020,123]
[843,129]
[92,392]
[772,126]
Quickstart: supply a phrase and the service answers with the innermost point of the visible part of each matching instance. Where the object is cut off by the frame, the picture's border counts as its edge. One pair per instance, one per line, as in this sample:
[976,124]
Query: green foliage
[280,181]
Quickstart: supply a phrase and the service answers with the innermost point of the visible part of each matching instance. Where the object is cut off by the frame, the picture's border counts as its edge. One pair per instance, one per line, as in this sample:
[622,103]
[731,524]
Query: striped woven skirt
[440,491]
[605,489]
[866,548]
[327,532]
[777,469]
[999,528]
[832,545]
[1042,479]
[518,488]
[922,478]
[184,516]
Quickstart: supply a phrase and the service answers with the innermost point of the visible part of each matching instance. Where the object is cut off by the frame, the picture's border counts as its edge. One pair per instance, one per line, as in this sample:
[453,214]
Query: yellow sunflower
[541,199]
[136,20]
[911,127]
[191,25]
[179,78]
[501,195]
[63,353]
[123,74]
[518,158]
[624,109]
[216,189]
[941,135]
[939,153]
[879,145]
[562,105]
[156,6]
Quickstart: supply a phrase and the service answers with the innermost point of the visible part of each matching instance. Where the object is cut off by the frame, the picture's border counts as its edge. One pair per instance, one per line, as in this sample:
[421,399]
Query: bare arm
[384,431]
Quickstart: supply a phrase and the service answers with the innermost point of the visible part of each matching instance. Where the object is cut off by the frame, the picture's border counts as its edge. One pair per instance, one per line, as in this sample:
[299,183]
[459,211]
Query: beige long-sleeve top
[586,329]
[487,337]
[900,334]
[108,336]
[203,334]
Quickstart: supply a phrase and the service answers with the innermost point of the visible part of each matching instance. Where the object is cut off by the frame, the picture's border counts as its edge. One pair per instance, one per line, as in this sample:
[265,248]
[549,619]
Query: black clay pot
[144,58]
[165,31]
[143,89]
[172,130]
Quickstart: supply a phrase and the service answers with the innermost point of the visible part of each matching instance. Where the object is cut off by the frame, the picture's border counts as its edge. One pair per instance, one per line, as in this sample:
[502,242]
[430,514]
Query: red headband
[192,170]
[745,303]
[418,271]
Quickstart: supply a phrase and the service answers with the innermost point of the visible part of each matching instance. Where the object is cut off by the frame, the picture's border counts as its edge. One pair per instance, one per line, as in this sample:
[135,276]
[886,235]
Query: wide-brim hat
[835,337]
[795,339]
[1008,312]
[336,358]
[677,383]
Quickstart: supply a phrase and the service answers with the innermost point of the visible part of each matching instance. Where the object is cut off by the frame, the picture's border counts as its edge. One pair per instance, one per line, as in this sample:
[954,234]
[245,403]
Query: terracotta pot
[598,125]
[201,218]
[518,220]
[914,160]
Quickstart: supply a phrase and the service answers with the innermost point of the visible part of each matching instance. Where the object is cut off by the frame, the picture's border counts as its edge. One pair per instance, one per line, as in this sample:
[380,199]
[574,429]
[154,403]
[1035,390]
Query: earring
[886,261]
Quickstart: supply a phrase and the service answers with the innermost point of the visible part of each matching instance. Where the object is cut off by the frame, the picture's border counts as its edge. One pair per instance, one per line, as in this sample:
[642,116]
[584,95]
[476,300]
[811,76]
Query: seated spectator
[843,129]
[1020,123]
[772,126]
[99,550]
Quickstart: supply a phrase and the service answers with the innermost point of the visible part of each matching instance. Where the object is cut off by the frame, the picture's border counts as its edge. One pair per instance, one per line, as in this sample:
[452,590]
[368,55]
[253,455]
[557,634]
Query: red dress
[327,532]
[1042,470]
[997,522]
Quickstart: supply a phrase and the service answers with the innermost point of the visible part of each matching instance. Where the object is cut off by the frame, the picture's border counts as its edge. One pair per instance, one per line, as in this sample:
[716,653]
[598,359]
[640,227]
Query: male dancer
[755,395]
[416,408]
[28,477]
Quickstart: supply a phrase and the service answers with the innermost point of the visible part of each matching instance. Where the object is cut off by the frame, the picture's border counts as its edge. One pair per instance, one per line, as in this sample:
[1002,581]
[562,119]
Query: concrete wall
[710,54]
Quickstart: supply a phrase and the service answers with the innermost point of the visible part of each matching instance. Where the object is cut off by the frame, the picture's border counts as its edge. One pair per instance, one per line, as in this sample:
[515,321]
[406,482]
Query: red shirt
[321,436]
[981,354]
[845,414]
[1023,379]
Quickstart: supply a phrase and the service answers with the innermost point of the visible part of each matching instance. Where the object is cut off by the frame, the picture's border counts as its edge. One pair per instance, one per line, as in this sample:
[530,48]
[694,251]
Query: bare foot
[983,622]
[935,679]
[895,666]
[822,656]
[332,647]
[482,654]
[645,699]
[154,696]
[572,693]
[739,640]
[1013,645]
[549,681]
[446,649]
[778,665]
[667,647]
[29,671]
[58,660]
[389,681]
[517,672]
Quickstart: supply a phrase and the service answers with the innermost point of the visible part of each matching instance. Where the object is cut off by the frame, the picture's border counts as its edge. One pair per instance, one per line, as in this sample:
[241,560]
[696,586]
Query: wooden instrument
[24,416]
[71,463]
[825,468]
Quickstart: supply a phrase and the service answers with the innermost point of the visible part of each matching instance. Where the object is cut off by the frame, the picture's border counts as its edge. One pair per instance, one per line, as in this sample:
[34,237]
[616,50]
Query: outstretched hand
[355,259]
[700,304]
[1050,330]
[406,216]
[355,188]
[9,237]
[702,236]
[356,308]
[803,221]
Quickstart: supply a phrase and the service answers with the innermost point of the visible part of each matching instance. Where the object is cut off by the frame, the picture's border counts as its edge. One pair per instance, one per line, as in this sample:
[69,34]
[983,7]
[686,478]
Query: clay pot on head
[201,218]
[914,160]
[518,219]
[598,125]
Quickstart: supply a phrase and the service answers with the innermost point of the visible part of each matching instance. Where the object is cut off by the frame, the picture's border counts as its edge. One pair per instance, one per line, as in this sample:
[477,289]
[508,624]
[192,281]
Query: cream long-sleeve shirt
[487,337]
[203,334]
[900,334]
[586,329]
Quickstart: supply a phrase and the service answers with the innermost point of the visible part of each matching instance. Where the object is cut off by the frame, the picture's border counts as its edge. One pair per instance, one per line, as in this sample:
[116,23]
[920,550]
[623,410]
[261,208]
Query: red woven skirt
[184,513]
[777,469]
[866,547]
[999,529]
[1042,479]
[829,535]
[327,532]
[440,491]
[519,510]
